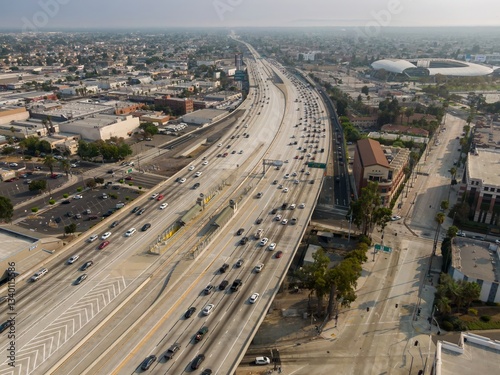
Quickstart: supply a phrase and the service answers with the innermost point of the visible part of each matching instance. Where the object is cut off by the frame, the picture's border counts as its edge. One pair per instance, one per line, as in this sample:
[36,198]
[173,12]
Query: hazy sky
[47,14]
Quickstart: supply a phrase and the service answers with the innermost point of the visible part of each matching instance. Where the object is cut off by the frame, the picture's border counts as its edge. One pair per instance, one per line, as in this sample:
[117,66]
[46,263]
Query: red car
[103,245]
[128,178]
[279,254]
[159,197]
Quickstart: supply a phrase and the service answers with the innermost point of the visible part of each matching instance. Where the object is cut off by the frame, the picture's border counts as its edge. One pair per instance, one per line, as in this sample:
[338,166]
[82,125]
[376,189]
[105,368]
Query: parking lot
[84,212]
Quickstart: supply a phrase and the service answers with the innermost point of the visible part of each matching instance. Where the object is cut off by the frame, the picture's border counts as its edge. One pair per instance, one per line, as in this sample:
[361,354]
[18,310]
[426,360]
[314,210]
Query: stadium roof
[441,66]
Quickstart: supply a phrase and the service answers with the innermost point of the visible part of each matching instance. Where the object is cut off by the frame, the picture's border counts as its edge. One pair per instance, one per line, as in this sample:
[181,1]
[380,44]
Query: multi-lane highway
[132,304]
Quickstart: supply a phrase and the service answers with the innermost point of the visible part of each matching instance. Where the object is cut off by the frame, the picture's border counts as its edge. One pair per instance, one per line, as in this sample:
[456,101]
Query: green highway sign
[378,247]
[316,165]
[130,170]
[387,249]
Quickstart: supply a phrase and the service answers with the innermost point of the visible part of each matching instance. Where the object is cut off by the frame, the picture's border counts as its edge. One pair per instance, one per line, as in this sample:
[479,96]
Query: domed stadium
[431,67]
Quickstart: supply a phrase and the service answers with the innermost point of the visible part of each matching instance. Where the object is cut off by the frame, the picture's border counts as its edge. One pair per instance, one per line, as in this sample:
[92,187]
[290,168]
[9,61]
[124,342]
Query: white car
[219,145]
[198,174]
[286,176]
[154,195]
[93,238]
[284,221]
[292,206]
[308,173]
[182,180]
[73,259]
[39,274]
[163,206]
[105,235]
[191,168]
[285,190]
[78,196]
[254,297]
[278,217]
[302,205]
[205,162]
[395,217]
[208,309]
[272,246]
[130,232]
[259,267]
[263,241]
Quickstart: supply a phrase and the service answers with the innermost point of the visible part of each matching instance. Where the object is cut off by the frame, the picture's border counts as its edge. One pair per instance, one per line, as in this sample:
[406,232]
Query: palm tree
[49,162]
[65,166]
[439,220]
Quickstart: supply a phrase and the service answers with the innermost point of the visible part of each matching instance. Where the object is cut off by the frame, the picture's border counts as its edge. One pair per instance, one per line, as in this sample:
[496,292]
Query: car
[207,371]
[182,180]
[259,267]
[308,173]
[240,231]
[236,285]
[258,221]
[145,227]
[395,218]
[254,297]
[263,241]
[296,182]
[302,205]
[80,278]
[146,364]
[141,211]
[260,194]
[86,265]
[240,262]
[103,245]
[190,312]
[273,211]
[205,162]
[244,240]
[130,232]
[191,168]
[284,221]
[6,325]
[93,238]
[129,178]
[169,354]
[135,209]
[311,182]
[208,289]
[78,196]
[114,224]
[163,206]
[110,171]
[272,246]
[197,361]
[285,190]
[154,195]
[275,182]
[280,186]
[160,197]
[279,254]
[200,334]
[196,186]
[461,234]
[497,242]
[78,216]
[223,268]
[13,164]
[278,217]
[286,175]
[223,284]
[208,309]
[294,174]
[219,145]
[73,259]
[105,235]
[293,221]
[262,361]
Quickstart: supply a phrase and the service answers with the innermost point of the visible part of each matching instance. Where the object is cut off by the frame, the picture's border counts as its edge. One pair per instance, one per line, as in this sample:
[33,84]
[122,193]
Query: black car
[111,171]
[115,223]
[169,354]
[197,361]
[284,206]
[223,285]
[244,240]
[57,220]
[86,265]
[80,278]
[136,209]
[5,325]
[146,364]
[190,312]
[145,227]
[274,211]
[240,231]
[223,268]
[66,202]
[258,221]
[207,371]
[196,186]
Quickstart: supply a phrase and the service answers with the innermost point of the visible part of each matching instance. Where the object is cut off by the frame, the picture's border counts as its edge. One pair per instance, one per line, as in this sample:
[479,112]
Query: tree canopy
[6,209]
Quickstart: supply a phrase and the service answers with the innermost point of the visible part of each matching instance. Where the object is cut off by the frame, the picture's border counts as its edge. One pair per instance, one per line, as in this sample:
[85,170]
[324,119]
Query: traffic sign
[387,249]
[316,165]
[129,171]
[378,247]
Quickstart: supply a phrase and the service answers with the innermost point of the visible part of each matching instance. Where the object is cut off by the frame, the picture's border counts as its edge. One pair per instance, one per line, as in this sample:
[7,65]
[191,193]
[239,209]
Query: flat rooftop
[96,121]
[485,166]
[477,259]
[476,355]
[73,110]
[13,243]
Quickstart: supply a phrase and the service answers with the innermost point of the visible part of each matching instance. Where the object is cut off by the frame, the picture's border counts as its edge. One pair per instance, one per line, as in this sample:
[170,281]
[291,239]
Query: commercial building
[204,116]
[11,113]
[381,164]
[64,143]
[180,105]
[482,185]
[101,126]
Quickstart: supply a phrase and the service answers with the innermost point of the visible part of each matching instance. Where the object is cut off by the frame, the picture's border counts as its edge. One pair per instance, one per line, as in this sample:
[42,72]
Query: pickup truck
[236,285]
[199,335]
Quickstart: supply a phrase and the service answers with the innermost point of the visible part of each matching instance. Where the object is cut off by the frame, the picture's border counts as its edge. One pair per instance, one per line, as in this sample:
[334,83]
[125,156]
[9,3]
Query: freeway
[132,303]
